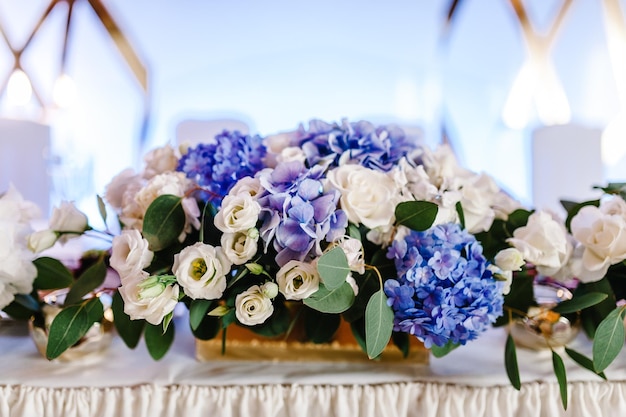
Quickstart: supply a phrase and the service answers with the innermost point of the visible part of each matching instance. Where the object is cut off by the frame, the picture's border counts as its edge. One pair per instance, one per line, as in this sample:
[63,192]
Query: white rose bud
[270,289]
[297,280]
[148,298]
[67,218]
[201,270]
[238,213]
[510,259]
[130,253]
[240,247]
[42,240]
[253,307]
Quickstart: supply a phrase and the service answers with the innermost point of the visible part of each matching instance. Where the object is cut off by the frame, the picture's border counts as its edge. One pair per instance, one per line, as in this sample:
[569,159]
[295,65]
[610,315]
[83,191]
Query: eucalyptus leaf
[583,361]
[460,213]
[51,274]
[102,209]
[129,330]
[378,324]
[609,339]
[164,221]
[580,302]
[333,268]
[197,311]
[89,280]
[158,342]
[353,231]
[510,363]
[335,301]
[67,328]
[561,377]
[441,351]
[416,215]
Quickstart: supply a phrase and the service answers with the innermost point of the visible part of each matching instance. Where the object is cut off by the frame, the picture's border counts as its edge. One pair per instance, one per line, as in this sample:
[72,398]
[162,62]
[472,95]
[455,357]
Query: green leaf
[51,274]
[510,362]
[519,298]
[568,205]
[164,221]
[583,361]
[91,279]
[333,268]
[208,328]
[335,301]
[580,302]
[353,231]
[459,211]
[95,310]
[66,329]
[320,327]
[416,215]
[157,342]
[18,311]
[102,209]
[358,330]
[561,377]
[609,339]
[441,351]
[401,340]
[197,311]
[592,316]
[27,301]
[378,324]
[129,330]
[276,325]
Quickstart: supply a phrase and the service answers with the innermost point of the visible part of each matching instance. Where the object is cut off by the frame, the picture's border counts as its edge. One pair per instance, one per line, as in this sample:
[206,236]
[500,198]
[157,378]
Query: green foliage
[401,340]
[276,325]
[158,342]
[510,363]
[592,316]
[580,303]
[71,324]
[129,330]
[609,339]
[335,301]
[441,351]
[495,238]
[51,274]
[88,281]
[573,211]
[583,361]
[102,209]
[333,268]
[460,213]
[416,215]
[164,221]
[378,324]
[198,311]
[561,377]
[519,299]
[618,188]
[320,327]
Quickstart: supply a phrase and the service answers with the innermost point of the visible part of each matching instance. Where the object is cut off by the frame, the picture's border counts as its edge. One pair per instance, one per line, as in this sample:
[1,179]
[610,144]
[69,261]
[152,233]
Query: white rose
[42,240]
[543,242]
[253,306]
[478,195]
[240,247]
[247,185]
[510,259]
[68,219]
[297,280]
[160,160]
[13,207]
[442,167]
[119,185]
[602,235]
[130,253]
[353,248]
[147,298]
[368,197]
[201,270]
[238,213]
[614,205]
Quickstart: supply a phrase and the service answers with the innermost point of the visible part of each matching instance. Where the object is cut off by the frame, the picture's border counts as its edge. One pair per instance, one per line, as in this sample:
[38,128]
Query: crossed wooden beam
[131,58]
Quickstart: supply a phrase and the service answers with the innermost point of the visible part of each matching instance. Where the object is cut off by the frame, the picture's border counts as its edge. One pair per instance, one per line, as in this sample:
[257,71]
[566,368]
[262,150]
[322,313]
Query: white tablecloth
[470,381]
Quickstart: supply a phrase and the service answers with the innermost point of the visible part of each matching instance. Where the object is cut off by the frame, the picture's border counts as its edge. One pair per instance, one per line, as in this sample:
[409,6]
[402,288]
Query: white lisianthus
[602,235]
[543,242]
[201,270]
[148,298]
[368,197]
[509,259]
[247,185]
[42,240]
[291,153]
[130,253]
[122,188]
[297,280]
[353,248]
[68,221]
[240,247]
[160,160]
[238,213]
[253,306]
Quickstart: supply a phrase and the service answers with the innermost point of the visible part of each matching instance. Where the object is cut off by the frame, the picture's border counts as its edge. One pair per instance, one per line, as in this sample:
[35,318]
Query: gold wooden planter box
[243,344]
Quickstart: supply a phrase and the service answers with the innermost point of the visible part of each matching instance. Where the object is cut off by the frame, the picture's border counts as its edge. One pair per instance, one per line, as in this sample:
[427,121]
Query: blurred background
[532,92]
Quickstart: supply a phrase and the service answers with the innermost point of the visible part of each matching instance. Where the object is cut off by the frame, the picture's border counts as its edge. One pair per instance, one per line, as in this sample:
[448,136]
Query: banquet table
[469,381]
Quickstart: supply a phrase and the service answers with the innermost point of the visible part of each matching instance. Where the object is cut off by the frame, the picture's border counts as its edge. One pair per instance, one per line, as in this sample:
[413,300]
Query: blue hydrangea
[296,213]
[375,147]
[445,291]
[216,167]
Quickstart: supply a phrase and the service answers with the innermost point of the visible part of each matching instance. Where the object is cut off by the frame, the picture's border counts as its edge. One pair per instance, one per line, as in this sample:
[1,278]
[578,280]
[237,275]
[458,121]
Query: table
[470,381]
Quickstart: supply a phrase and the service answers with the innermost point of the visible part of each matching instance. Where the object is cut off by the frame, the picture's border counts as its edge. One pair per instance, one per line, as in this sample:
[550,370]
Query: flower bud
[270,290]
[150,287]
[256,269]
[42,240]
[509,259]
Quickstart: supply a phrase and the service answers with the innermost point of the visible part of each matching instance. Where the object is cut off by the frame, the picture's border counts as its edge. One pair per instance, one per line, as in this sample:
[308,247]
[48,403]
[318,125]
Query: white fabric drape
[385,400]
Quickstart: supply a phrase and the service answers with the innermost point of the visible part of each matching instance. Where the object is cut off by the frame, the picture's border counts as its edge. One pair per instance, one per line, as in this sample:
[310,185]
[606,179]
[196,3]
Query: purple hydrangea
[296,213]
[375,147]
[445,291]
[218,166]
